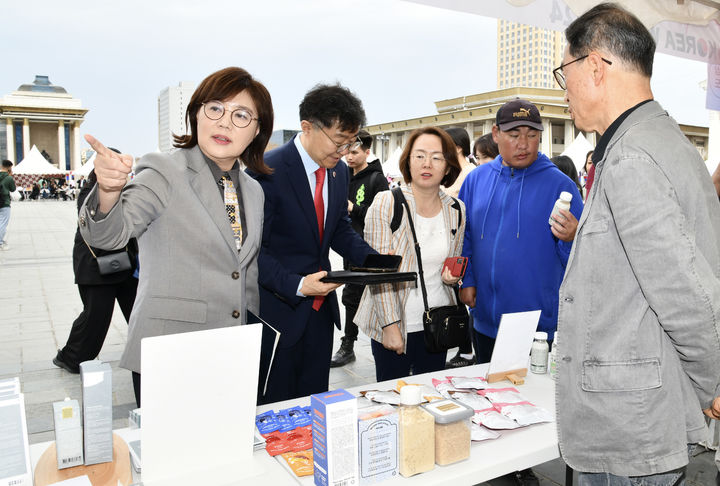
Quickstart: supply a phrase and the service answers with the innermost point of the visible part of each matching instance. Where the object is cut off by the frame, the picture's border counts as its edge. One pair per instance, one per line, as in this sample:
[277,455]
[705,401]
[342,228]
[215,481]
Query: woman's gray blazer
[192,277]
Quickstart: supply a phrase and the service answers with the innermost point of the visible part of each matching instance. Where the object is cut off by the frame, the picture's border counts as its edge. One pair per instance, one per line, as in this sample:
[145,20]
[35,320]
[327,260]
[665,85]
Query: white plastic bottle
[563,202]
[416,434]
[539,353]
[553,358]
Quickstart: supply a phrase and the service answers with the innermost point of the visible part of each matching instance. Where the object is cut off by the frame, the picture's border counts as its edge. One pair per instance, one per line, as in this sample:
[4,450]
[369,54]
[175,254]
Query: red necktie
[320,213]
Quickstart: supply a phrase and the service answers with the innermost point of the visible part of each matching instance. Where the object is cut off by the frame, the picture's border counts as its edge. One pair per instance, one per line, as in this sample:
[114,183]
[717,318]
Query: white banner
[698,42]
[712,97]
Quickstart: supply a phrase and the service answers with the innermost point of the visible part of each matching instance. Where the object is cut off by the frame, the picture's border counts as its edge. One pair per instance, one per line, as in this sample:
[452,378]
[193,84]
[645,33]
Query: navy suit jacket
[291,246]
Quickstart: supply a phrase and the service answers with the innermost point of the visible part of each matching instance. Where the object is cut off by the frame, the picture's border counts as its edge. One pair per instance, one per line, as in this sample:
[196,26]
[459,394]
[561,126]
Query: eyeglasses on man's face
[240,117]
[560,76]
[341,147]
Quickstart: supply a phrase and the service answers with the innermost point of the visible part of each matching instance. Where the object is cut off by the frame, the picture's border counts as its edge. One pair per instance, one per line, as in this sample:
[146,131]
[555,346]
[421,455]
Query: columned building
[476,114]
[43,115]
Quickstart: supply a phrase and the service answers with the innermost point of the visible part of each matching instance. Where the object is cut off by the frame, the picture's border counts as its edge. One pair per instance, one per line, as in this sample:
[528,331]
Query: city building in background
[86,154]
[527,55]
[280,137]
[172,104]
[476,114]
[44,115]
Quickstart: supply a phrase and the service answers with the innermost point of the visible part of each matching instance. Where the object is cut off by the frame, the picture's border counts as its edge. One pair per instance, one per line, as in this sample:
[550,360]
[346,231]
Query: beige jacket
[384,304]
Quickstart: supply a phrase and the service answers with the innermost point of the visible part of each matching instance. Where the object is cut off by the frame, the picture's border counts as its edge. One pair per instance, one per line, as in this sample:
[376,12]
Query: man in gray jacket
[639,310]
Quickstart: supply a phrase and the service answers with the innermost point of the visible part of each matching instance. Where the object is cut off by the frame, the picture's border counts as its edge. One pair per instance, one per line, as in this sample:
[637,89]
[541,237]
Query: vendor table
[513,451]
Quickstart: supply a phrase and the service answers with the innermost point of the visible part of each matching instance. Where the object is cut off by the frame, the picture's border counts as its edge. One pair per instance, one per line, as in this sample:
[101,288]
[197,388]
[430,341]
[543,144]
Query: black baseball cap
[518,113]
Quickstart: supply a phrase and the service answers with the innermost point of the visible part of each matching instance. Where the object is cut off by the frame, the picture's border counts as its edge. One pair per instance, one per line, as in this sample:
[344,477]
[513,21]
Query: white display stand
[198,407]
[512,346]
[515,450]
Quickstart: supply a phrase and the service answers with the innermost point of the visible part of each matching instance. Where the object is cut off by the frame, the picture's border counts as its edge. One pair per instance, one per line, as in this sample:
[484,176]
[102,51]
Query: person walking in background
[639,315]
[567,167]
[485,149]
[585,175]
[392,314]
[98,293]
[7,185]
[367,179]
[462,146]
[464,355]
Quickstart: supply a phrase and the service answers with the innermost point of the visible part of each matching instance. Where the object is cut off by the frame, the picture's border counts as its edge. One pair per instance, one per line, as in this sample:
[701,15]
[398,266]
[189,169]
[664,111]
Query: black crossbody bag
[447,326]
[112,263]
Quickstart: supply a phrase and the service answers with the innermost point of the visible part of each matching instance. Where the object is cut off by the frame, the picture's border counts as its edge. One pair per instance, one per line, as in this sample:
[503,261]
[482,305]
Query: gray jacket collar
[205,188]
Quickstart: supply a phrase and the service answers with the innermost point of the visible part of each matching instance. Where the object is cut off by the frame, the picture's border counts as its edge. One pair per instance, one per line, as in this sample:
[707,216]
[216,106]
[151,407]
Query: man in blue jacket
[516,260]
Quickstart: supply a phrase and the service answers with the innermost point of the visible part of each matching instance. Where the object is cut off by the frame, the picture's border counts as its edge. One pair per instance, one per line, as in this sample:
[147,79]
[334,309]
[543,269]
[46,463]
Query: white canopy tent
[578,150]
[35,163]
[391,167]
[86,168]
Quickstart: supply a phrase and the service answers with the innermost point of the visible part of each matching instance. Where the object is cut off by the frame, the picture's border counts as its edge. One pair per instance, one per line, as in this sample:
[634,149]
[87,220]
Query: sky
[398,57]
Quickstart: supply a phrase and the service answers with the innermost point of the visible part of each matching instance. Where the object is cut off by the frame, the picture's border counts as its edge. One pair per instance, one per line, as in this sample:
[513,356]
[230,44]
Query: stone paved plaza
[39,302]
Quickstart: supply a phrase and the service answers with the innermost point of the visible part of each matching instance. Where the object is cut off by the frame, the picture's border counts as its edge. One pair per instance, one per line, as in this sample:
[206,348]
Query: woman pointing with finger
[197,215]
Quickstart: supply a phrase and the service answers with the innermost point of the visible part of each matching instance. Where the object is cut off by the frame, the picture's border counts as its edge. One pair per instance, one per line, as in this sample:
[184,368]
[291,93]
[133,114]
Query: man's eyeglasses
[560,76]
[341,147]
[240,117]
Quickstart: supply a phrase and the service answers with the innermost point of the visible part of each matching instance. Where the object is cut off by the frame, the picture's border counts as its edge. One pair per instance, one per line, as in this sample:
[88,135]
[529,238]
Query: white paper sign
[198,406]
[513,342]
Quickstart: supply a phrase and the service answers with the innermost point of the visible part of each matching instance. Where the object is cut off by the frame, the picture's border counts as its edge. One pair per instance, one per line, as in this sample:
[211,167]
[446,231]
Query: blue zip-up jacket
[514,261]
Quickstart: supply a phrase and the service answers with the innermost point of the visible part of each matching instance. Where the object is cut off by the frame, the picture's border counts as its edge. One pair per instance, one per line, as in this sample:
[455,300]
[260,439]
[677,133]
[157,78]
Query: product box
[9,387]
[15,464]
[68,433]
[377,443]
[135,418]
[335,438]
[96,378]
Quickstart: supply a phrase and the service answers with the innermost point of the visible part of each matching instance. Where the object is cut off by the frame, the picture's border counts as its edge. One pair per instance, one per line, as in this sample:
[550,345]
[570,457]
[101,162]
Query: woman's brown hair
[448,149]
[220,86]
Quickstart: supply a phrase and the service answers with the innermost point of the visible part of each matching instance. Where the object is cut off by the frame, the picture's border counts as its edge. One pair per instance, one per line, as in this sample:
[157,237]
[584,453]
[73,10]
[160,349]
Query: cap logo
[524,112]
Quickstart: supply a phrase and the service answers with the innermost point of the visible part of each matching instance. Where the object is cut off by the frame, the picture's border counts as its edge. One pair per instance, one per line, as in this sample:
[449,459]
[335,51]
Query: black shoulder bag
[447,326]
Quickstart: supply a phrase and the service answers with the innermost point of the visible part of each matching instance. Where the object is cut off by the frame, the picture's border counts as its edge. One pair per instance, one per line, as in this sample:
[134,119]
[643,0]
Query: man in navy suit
[305,216]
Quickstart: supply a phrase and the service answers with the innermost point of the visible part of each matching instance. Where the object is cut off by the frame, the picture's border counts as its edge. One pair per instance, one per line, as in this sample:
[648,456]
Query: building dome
[42,84]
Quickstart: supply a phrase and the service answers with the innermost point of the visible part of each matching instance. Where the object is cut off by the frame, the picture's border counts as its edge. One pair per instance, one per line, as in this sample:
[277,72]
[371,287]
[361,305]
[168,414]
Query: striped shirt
[384,304]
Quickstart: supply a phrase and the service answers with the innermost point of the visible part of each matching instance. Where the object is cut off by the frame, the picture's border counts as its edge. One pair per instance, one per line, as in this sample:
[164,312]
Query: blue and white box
[335,438]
